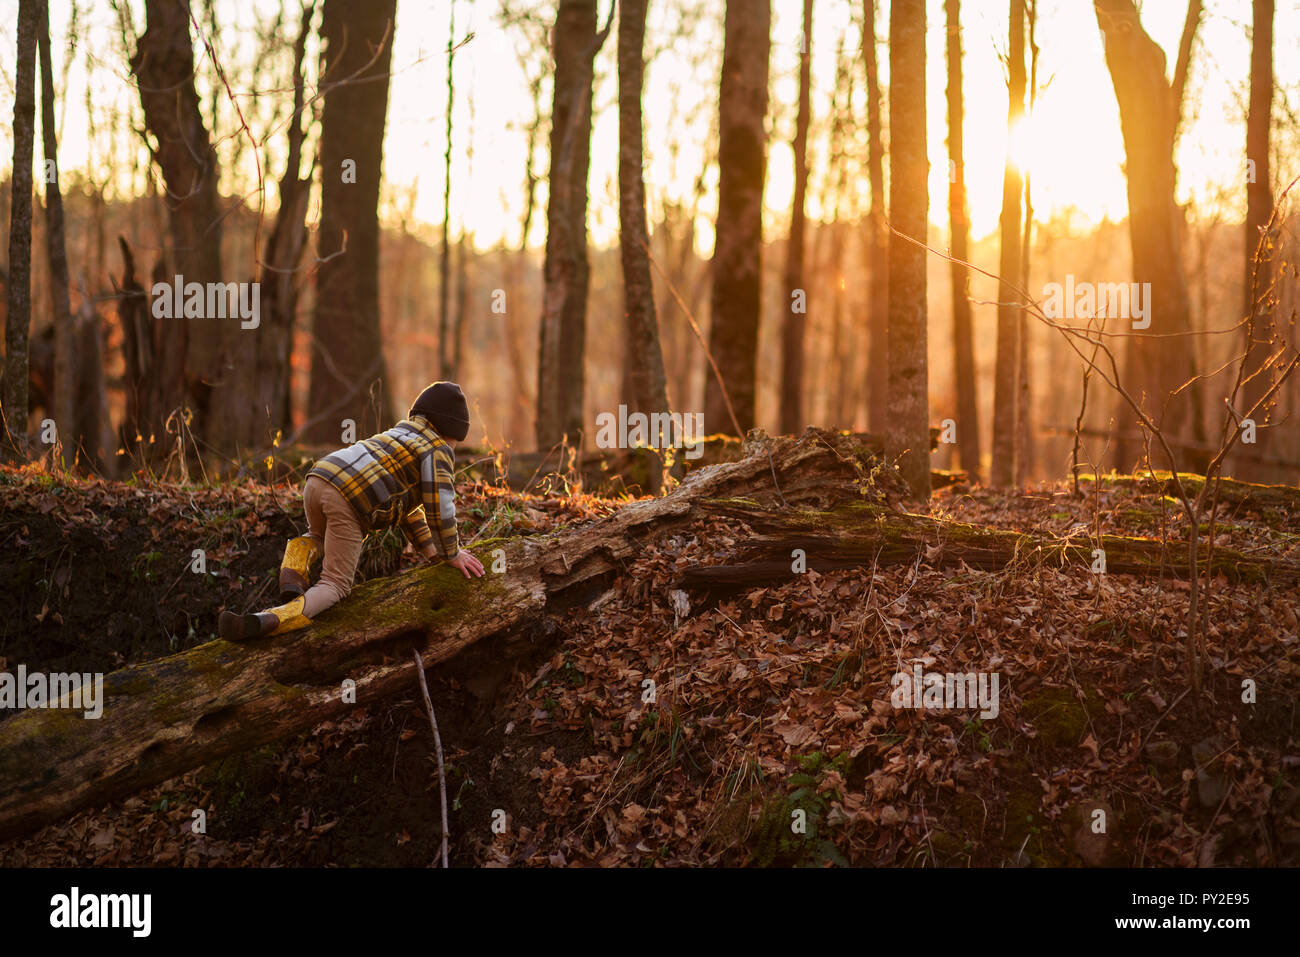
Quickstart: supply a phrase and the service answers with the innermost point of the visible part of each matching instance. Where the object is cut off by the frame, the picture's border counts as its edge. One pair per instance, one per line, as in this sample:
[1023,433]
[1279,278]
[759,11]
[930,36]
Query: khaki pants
[337,531]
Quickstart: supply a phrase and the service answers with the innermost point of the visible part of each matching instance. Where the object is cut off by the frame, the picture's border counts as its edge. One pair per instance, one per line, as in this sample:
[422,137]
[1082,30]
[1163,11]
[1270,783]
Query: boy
[393,478]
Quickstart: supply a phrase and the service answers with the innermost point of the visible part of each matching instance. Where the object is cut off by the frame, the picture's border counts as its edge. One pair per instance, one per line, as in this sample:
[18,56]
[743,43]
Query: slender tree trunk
[796,289]
[279,275]
[347,371]
[738,247]
[445,370]
[18,318]
[1003,466]
[137,352]
[464,251]
[968,426]
[562,336]
[840,373]
[65,402]
[524,396]
[1024,363]
[877,239]
[1259,206]
[645,361]
[1149,109]
[907,435]
[92,395]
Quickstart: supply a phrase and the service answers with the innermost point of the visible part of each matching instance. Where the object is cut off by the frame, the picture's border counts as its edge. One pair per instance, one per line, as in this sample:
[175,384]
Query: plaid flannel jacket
[397,478]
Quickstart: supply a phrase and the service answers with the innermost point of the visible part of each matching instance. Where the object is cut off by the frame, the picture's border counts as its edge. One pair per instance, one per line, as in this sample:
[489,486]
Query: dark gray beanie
[444,405]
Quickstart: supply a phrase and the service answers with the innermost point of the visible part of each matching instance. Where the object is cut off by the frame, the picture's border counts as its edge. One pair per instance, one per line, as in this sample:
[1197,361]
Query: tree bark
[446,367]
[1024,354]
[877,244]
[562,335]
[1003,466]
[737,268]
[65,404]
[194,351]
[280,277]
[1149,109]
[348,372]
[18,286]
[907,432]
[164,717]
[644,359]
[842,375]
[968,426]
[796,310]
[524,398]
[142,340]
[92,417]
[1257,277]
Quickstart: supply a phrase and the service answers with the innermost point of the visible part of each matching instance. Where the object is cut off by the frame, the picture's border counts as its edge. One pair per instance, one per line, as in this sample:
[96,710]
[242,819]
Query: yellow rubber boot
[295,568]
[284,618]
[274,621]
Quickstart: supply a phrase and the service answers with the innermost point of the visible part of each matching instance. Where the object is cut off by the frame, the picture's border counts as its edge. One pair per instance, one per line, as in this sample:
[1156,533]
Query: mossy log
[856,535]
[167,716]
[1232,492]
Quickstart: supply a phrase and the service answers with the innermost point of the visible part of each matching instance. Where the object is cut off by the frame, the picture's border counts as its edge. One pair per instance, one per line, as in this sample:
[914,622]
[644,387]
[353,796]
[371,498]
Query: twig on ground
[437,743]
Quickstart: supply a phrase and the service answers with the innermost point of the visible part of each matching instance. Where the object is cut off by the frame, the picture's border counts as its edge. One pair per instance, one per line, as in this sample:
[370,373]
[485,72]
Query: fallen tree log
[164,717]
[1232,492]
[613,471]
[856,535]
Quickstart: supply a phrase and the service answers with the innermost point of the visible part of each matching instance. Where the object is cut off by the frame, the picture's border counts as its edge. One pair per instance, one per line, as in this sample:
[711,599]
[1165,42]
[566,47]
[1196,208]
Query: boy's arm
[438,492]
[416,528]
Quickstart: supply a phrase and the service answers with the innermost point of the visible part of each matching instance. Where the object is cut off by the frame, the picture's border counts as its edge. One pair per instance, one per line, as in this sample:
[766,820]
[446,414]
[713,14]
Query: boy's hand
[467,563]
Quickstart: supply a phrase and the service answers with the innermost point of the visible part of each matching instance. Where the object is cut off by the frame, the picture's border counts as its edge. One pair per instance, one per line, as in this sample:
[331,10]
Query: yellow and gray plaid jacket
[396,478]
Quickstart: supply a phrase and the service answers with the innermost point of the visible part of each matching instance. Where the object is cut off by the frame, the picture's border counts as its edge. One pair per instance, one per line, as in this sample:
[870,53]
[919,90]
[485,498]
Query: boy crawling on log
[395,478]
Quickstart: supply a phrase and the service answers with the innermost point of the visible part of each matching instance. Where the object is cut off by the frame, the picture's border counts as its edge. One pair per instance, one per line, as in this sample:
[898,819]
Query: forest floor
[768,701]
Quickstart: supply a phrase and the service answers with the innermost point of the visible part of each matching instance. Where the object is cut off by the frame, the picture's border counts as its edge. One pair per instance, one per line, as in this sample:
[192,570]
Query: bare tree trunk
[1149,109]
[841,377]
[907,436]
[644,359]
[18,318]
[795,304]
[1257,277]
[968,426]
[445,364]
[194,354]
[279,275]
[137,353]
[464,250]
[562,336]
[738,248]
[65,400]
[877,239]
[523,396]
[89,386]
[347,371]
[1024,363]
[1003,466]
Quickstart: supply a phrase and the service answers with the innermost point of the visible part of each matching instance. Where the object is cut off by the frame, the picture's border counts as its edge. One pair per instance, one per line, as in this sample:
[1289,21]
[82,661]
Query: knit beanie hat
[444,405]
